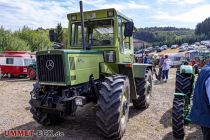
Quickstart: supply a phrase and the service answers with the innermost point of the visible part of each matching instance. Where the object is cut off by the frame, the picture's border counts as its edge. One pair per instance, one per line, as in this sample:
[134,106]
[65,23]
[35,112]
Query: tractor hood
[67,67]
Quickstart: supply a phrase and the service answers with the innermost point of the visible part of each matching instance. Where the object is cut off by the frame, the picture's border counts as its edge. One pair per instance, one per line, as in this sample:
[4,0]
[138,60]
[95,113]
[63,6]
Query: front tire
[113,106]
[178,117]
[144,90]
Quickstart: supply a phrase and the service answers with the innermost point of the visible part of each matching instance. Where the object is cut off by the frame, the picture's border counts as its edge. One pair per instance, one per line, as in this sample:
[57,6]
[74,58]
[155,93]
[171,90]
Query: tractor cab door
[125,43]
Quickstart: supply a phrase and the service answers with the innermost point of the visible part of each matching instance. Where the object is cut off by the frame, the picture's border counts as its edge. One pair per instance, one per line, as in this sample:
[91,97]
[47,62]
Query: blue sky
[14,14]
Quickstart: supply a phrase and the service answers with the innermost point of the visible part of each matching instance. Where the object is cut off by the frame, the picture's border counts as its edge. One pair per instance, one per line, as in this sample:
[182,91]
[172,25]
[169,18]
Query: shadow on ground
[166,119]
[133,111]
[193,132]
[82,127]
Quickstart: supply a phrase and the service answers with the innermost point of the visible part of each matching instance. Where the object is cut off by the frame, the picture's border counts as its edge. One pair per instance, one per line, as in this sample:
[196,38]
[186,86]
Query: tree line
[203,28]
[27,39]
[171,35]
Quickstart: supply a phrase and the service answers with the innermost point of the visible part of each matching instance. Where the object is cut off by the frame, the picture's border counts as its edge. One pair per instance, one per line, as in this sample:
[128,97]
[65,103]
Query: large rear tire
[178,117]
[144,90]
[113,106]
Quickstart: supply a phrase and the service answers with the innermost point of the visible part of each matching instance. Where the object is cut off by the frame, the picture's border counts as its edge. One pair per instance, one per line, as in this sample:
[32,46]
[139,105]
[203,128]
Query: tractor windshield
[97,33]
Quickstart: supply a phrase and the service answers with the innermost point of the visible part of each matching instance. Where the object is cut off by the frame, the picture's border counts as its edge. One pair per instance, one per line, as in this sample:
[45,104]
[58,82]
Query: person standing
[160,73]
[200,112]
[165,68]
[147,59]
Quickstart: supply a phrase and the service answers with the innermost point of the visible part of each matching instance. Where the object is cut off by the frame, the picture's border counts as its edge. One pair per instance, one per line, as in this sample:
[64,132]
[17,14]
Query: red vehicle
[15,63]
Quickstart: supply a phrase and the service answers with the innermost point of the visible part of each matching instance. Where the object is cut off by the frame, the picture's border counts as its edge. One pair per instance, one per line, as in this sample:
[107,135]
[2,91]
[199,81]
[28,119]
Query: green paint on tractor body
[98,68]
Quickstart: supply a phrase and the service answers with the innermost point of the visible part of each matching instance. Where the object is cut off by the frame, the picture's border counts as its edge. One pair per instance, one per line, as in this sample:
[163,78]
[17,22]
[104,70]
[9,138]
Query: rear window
[9,60]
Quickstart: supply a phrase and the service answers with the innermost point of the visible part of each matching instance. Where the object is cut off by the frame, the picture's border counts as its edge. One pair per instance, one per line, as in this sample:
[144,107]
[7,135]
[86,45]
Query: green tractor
[185,78]
[98,66]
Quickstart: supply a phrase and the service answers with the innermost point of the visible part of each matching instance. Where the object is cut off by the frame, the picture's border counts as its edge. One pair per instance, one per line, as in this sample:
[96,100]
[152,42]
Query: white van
[175,59]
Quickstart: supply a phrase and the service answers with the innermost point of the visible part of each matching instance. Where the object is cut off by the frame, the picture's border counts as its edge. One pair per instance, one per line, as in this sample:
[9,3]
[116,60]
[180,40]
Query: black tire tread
[178,117]
[109,101]
[183,84]
[140,89]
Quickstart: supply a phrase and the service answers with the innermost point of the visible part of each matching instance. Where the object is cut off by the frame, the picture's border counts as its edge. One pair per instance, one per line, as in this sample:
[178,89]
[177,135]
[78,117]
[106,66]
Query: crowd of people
[159,62]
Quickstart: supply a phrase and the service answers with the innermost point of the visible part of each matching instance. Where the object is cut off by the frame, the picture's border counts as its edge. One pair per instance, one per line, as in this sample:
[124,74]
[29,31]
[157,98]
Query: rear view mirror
[52,35]
[129,26]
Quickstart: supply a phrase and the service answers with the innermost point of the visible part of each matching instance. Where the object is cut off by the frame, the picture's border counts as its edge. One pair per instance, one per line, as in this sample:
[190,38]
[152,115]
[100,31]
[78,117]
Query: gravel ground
[153,123]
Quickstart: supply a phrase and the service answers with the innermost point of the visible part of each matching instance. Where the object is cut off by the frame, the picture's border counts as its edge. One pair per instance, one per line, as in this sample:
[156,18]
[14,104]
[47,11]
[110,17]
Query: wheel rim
[148,90]
[124,107]
[31,74]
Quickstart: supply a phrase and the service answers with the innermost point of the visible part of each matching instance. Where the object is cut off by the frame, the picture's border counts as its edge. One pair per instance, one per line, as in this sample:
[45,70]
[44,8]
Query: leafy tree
[59,33]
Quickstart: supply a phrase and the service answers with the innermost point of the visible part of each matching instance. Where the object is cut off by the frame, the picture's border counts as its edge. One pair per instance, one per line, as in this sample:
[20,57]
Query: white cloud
[118,5]
[194,15]
[14,14]
[46,14]
[181,2]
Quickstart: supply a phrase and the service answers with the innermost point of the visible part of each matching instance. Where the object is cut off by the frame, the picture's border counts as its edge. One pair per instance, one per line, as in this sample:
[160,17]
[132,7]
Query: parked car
[190,48]
[139,51]
[150,49]
[14,63]
[175,59]
[197,43]
[159,50]
[174,46]
[182,49]
[185,44]
[165,47]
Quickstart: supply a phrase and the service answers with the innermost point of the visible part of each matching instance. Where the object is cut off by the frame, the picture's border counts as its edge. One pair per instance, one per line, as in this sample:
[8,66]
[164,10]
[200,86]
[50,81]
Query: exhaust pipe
[82,25]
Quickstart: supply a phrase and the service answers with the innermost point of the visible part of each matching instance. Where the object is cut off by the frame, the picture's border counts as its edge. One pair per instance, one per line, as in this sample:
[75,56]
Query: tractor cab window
[97,33]
[124,42]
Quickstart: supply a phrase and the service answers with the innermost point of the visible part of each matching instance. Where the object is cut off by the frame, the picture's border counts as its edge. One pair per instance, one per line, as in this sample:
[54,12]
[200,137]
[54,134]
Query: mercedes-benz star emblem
[49,64]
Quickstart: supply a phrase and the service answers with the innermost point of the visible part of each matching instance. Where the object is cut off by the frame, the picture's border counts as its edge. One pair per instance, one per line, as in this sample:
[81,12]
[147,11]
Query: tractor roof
[101,13]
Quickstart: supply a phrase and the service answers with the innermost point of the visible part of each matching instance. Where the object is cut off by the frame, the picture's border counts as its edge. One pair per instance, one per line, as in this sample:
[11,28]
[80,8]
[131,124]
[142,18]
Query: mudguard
[186,69]
[139,70]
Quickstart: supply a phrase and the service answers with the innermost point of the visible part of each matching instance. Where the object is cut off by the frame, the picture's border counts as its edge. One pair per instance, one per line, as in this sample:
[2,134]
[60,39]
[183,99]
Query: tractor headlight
[109,56]
[80,100]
